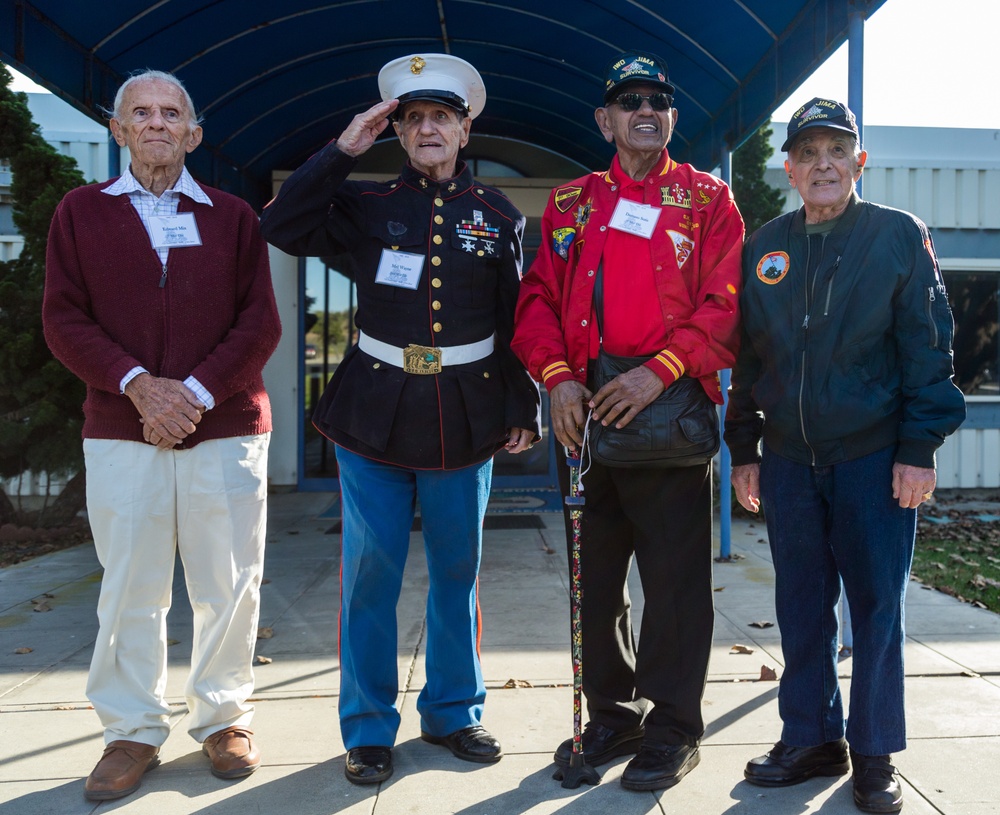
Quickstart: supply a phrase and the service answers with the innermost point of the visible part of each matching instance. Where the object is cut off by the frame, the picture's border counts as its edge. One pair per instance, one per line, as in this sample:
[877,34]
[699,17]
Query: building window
[976,305]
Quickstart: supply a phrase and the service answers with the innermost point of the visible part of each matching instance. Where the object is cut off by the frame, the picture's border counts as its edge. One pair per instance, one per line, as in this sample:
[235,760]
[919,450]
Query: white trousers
[209,504]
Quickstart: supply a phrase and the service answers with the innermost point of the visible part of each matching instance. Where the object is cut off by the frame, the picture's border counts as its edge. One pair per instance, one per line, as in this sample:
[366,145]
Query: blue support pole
[725,460]
[856,102]
[856,71]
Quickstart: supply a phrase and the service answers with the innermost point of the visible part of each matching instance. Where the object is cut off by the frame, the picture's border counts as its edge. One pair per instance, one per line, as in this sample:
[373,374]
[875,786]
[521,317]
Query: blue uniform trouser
[379,501]
[824,524]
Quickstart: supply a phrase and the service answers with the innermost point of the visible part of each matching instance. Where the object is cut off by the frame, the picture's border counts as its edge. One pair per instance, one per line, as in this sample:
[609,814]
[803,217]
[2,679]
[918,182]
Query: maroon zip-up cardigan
[214,316]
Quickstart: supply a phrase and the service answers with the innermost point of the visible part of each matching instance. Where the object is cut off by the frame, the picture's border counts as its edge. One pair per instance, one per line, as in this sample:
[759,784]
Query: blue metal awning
[276,81]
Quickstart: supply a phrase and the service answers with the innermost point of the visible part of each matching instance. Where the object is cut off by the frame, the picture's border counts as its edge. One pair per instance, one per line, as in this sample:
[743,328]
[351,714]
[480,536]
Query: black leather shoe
[470,744]
[601,744]
[784,765]
[368,765]
[876,787]
[659,765]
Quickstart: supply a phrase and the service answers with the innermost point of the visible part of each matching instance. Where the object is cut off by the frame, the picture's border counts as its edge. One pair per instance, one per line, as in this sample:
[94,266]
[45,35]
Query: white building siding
[970,458]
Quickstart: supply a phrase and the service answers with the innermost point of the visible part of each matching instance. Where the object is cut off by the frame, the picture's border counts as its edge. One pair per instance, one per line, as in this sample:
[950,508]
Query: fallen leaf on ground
[719,588]
[173,642]
[516,683]
[265,633]
[767,674]
[741,649]
[23,650]
[42,606]
[265,581]
[262,660]
[761,624]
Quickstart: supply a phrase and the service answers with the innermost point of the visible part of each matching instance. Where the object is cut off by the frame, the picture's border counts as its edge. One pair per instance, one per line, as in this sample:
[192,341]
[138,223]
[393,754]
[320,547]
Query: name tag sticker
[173,231]
[401,269]
[635,218]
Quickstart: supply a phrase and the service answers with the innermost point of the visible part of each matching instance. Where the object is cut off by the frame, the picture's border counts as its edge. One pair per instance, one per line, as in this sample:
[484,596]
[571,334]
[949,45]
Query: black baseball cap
[635,66]
[819,112]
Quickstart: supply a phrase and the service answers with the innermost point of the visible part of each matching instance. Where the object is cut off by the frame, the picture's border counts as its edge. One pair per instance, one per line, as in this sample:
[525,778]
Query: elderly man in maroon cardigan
[158,296]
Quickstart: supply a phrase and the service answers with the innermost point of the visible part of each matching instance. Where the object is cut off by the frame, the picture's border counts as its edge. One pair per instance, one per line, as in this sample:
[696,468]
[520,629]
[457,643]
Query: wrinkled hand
[620,401]
[520,440]
[168,408]
[567,400]
[911,486]
[745,479]
[364,128]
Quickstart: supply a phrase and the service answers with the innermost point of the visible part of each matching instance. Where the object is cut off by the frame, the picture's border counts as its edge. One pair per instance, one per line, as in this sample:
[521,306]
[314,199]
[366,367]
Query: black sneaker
[784,765]
[601,744]
[876,785]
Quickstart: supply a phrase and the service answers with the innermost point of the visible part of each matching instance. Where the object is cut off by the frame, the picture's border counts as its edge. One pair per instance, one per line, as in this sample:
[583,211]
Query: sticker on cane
[400,269]
[772,267]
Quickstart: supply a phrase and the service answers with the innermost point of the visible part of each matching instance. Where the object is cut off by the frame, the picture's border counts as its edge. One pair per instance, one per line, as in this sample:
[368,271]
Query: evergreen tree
[41,402]
[758,201]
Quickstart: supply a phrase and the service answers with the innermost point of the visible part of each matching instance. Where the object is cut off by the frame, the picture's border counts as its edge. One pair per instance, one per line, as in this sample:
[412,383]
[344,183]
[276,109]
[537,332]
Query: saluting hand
[364,128]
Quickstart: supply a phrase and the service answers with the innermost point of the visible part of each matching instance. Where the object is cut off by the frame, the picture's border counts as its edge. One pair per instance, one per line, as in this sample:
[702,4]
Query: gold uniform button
[436,282]
[438,202]
[376,365]
[438,239]
[435,261]
[480,253]
[438,326]
[438,219]
[486,375]
[436,305]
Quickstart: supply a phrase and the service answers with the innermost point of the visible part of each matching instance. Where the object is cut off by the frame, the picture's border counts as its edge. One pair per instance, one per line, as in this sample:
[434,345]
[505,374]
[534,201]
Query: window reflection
[976,306]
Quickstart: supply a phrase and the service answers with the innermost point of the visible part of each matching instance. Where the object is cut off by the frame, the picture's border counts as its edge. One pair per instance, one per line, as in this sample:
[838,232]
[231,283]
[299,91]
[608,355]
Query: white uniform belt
[437,357]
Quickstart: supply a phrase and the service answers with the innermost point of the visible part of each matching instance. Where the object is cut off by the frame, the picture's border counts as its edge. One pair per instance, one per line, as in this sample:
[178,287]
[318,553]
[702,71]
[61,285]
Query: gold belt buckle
[421,359]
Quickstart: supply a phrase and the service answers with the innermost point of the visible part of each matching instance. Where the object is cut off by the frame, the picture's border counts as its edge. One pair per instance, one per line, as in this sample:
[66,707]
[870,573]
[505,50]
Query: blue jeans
[826,524]
[379,501]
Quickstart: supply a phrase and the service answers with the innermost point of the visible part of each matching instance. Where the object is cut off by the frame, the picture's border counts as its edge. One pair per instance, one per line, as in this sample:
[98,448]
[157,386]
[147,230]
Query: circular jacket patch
[772,267]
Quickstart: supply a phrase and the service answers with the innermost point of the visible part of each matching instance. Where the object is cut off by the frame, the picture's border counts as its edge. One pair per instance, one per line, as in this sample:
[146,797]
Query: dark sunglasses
[633,101]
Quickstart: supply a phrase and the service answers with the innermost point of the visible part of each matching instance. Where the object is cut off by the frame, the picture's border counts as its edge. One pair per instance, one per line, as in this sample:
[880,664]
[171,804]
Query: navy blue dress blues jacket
[469,236]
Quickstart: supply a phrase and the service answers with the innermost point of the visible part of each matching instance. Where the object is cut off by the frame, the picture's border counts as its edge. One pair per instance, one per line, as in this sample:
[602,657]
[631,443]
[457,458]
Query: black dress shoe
[601,744]
[876,787]
[659,765]
[368,765]
[784,765]
[470,744]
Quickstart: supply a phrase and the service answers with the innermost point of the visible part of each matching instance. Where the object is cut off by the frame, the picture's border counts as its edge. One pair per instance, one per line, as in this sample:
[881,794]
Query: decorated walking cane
[578,771]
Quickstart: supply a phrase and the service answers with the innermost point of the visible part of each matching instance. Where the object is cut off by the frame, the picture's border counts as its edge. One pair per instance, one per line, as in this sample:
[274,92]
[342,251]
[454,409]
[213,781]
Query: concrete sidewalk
[50,738]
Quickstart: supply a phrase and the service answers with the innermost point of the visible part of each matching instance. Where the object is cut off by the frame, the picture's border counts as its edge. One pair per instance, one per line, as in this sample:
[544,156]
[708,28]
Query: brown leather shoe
[120,770]
[233,752]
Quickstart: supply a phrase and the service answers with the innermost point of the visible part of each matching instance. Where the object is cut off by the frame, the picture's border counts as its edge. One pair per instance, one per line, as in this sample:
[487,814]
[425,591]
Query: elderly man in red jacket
[158,296]
[666,240]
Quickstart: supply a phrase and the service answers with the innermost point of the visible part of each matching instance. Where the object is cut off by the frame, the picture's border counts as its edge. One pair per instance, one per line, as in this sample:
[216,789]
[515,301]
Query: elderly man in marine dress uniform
[420,406]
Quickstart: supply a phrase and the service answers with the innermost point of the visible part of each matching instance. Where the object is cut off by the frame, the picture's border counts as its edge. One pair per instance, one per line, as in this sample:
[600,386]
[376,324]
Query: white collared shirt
[147,205]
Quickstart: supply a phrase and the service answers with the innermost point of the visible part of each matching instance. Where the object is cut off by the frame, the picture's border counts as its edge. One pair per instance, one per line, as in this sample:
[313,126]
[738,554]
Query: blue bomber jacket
[846,344]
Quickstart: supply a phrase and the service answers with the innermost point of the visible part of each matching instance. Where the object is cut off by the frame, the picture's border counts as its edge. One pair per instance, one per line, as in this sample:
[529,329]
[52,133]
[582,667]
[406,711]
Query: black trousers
[662,517]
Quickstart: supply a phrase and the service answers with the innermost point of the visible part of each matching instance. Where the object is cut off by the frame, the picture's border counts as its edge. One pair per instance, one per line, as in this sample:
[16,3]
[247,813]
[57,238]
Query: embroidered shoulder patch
[683,246]
[705,191]
[565,197]
[772,267]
